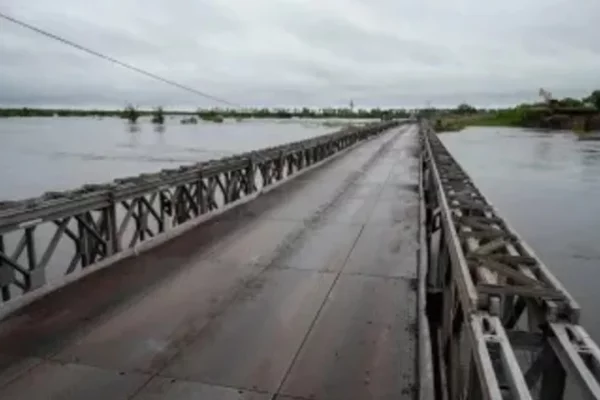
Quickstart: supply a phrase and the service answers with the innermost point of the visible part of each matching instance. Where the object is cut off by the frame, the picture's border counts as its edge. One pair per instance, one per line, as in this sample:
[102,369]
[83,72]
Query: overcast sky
[301,52]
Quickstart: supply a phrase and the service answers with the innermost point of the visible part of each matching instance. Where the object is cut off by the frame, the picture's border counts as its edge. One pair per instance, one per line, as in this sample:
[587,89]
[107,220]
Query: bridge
[363,264]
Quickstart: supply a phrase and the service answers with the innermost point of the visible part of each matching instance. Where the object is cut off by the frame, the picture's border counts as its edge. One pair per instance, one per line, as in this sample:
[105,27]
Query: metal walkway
[307,292]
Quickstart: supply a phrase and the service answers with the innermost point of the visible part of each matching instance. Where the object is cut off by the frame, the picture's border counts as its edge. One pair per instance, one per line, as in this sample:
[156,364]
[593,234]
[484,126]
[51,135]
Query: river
[547,184]
[49,154]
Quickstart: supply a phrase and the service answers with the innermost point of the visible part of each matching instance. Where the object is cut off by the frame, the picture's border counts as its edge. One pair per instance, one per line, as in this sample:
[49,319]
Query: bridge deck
[309,292]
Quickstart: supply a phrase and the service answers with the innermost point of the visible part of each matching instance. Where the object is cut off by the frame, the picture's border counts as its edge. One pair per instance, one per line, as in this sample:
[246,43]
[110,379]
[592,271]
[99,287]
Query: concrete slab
[173,389]
[146,334]
[363,345]
[325,249]
[257,242]
[11,367]
[56,381]
[300,208]
[320,197]
[400,191]
[404,209]
[253,344]
[382,250]
[365,189]
[378,174]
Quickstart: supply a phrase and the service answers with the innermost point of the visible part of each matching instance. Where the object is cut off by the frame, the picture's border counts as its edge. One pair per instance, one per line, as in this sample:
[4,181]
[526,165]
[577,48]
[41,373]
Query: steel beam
[490,265]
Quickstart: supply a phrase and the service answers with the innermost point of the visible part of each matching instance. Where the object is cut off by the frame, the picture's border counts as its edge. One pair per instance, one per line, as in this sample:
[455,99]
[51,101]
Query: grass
[506,118]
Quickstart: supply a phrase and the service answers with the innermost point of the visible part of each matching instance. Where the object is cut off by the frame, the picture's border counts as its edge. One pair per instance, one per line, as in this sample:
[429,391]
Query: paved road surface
[309,292]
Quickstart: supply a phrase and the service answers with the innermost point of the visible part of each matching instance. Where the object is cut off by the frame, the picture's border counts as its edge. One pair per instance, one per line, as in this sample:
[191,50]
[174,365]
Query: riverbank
[575,119]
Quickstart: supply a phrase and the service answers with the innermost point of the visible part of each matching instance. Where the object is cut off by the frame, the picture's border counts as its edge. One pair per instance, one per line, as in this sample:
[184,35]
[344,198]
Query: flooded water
[548,186]
[48,154]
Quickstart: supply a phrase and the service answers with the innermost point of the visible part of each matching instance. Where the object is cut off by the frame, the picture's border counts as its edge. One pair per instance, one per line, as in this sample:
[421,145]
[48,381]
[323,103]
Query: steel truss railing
[57,234]
[503,327]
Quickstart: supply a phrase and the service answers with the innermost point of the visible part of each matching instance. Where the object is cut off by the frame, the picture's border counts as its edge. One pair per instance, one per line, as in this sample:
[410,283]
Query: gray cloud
[297,52]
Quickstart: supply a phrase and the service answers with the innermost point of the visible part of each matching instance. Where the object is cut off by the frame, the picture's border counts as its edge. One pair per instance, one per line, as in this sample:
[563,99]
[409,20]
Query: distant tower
[351,105]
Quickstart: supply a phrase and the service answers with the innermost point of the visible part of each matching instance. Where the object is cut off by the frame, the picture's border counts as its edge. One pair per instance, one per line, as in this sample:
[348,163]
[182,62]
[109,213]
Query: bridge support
[503,327]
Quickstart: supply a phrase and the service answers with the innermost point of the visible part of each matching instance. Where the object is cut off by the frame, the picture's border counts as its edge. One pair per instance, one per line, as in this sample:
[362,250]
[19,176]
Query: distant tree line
[133,114]
[50,112]
[566,113]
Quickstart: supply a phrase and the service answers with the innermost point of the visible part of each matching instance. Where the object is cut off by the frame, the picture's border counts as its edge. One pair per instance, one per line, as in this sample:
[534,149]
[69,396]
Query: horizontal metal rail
[46,238]
[503,326]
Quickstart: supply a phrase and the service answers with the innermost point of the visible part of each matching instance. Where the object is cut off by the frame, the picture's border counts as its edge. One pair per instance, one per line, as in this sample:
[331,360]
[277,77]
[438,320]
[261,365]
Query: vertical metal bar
[279,165]
[183,204]
[236,185]
[31,254]
[553,380]
[200,201]
[192,199]
[227,189]
[213,185]
[141,219]
[250,177]
[474,391]
[82,242]
[290,164]
[299,160]
[454,342]
[176,206]
[437,274]
[508,306]
[5,289]
[93,242]
[512,318]
[111,220]
[161,209]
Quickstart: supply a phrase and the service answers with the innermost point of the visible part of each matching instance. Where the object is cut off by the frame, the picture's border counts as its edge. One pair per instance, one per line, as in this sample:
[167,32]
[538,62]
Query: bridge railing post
[111,223]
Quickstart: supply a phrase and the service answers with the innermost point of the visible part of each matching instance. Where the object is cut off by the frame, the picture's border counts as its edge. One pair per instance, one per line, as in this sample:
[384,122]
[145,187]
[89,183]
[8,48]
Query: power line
[115,61]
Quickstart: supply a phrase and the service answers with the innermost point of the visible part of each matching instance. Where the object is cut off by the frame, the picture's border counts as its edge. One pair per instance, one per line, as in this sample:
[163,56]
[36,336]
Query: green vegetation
[190,120]
[158,116]
[214,114]
[568,113]
[210,115]
[51,112]
[594,98]
[131,114]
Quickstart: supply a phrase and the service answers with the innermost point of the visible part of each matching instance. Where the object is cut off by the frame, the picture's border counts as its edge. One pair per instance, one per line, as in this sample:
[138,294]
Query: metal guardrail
[503,327]
[59,233]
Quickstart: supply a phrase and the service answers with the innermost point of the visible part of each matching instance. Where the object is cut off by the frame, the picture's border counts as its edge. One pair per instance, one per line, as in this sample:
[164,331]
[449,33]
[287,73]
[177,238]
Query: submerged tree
[158,116]
[131,114]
